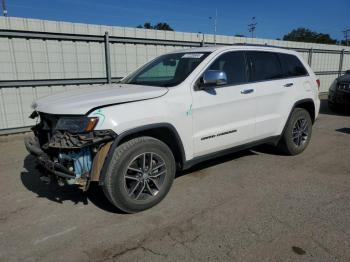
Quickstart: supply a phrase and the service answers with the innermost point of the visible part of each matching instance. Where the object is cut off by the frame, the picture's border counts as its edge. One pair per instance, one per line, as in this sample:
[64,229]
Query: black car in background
[339,92]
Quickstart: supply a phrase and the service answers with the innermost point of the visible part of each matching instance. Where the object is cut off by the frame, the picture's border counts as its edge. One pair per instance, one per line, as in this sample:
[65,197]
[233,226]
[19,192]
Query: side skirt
[270,140]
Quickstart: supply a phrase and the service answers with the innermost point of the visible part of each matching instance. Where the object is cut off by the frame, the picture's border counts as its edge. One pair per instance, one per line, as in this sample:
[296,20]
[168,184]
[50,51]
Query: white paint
[81,101]
[38,241]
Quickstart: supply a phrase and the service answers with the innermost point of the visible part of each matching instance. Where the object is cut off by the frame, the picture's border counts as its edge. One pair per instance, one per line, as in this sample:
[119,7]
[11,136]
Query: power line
[4,10]
[252,26]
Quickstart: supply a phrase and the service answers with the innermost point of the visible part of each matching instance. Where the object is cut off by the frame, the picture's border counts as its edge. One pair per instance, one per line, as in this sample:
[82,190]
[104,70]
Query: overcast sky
[275,18]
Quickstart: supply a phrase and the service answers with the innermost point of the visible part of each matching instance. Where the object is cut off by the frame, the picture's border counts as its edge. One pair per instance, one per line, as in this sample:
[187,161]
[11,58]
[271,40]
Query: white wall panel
[346,62]
[325,62]
[15,103]
[326,81]
[23,59]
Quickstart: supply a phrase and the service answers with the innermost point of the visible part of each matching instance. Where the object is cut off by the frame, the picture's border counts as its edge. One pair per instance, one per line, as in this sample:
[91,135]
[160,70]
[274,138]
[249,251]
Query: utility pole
[4,10]
[346,36]
[215,24]
[252,26]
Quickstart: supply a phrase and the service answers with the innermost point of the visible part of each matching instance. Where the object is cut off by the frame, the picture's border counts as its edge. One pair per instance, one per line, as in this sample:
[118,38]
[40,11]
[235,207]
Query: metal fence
[108,40]
[105,39]
[41,62]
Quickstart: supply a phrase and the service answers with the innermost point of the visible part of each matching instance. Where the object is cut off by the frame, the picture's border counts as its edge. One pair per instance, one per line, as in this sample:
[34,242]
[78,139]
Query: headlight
[81,124]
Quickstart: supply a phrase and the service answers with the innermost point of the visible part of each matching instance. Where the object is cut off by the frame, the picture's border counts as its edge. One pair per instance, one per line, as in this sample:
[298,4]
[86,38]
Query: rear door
[273,92]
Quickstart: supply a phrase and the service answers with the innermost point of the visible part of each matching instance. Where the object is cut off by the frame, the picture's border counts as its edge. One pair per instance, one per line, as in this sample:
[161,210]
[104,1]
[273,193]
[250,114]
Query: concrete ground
[250,206]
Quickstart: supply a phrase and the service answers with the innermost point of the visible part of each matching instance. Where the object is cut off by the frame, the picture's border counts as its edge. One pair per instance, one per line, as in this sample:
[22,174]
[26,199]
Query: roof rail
[265,45]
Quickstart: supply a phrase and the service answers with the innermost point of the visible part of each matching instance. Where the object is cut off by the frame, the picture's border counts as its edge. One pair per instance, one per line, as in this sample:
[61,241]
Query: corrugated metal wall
[32,59]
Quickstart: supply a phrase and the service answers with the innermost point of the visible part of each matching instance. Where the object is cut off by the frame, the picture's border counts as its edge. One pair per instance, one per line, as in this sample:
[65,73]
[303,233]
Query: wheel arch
[165,132]
[307,104]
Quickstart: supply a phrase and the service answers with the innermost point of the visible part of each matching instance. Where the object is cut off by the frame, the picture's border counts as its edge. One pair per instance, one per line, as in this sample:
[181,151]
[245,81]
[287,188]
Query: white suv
[177,110]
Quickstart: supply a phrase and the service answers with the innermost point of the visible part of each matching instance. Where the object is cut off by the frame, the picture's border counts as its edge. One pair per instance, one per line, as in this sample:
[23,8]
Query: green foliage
[158,26]
[306,35]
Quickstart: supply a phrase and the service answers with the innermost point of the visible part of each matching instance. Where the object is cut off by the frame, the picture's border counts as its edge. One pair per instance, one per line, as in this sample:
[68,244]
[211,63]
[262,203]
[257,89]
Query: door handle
[288,85]
[247,91]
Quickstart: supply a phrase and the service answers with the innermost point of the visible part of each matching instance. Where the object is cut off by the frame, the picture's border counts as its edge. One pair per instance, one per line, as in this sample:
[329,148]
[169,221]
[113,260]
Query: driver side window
[233,64]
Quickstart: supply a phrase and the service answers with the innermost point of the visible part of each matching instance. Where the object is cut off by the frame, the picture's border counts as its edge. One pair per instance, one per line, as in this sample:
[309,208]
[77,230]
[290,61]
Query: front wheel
[297,133]
[140,174]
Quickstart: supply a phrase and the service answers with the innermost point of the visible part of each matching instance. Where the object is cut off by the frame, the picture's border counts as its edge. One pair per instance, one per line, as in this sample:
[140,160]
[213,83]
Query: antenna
[346,36]
[252,26]
[4,10]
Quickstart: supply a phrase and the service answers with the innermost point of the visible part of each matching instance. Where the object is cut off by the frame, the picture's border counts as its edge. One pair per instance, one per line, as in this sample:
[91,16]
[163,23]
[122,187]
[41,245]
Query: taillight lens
[318,83]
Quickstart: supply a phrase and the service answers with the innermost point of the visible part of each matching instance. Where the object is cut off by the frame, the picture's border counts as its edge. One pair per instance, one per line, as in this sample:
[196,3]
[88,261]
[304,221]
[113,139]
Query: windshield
[166,70]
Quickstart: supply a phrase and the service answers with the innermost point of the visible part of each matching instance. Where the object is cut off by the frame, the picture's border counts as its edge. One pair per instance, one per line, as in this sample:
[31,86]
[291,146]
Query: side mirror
[214,77]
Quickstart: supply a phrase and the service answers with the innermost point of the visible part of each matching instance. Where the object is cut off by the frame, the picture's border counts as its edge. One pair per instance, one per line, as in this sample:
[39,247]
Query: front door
[224,116]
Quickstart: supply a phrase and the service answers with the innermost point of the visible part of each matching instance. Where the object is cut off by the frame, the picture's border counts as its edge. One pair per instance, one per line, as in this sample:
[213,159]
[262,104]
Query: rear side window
[233,64]
[292,66]
[264,66]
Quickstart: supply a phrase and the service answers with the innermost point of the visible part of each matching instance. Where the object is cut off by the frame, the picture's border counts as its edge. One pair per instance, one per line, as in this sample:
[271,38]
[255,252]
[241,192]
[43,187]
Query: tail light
[318,83]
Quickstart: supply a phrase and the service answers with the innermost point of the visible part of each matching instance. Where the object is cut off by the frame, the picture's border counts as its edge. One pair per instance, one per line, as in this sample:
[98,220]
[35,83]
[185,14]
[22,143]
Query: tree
[158,26]
[163,26]
[306,35]
[147,25]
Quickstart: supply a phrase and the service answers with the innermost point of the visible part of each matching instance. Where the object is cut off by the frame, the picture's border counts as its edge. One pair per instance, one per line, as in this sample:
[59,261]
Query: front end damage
[68,149]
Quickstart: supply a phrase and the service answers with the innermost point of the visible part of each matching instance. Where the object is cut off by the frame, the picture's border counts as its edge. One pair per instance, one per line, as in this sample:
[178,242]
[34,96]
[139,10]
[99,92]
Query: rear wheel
[140,174]
[297,134]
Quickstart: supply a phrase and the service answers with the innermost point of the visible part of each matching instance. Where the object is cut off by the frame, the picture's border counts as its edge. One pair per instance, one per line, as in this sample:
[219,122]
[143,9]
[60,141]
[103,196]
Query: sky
[275,18]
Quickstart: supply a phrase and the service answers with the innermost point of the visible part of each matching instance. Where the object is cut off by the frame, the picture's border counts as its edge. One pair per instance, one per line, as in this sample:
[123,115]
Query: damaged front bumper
[33,147]
[74,159]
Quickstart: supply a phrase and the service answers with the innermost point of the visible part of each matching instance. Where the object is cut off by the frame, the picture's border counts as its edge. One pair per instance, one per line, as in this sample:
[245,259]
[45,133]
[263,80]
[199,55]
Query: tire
[302,134]
[140,174]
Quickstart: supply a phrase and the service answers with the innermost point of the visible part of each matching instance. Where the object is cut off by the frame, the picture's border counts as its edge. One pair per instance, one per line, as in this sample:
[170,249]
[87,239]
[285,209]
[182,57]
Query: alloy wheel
[300,132]
[145,176]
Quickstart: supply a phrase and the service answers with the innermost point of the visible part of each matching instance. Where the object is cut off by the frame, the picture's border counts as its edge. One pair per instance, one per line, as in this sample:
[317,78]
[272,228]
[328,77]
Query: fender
[126,133]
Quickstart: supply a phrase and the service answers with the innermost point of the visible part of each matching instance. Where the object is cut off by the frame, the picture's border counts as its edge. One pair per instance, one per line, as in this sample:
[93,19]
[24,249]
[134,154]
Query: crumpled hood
[81,101]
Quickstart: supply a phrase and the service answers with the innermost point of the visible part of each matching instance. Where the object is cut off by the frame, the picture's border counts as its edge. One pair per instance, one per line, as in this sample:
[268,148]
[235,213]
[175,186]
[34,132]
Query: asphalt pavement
[254,205]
